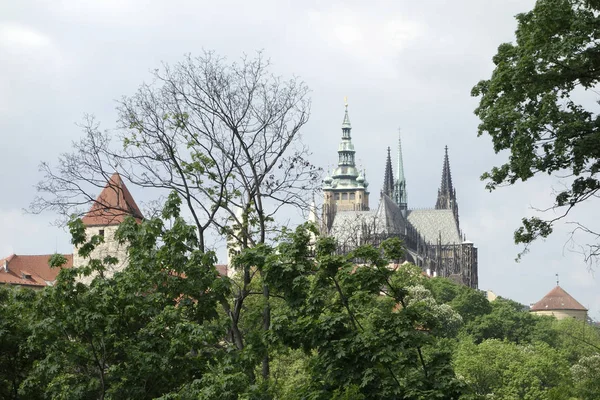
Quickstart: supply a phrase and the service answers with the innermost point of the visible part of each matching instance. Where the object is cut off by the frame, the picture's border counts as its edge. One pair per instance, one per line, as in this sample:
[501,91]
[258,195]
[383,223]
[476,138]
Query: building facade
[432,237]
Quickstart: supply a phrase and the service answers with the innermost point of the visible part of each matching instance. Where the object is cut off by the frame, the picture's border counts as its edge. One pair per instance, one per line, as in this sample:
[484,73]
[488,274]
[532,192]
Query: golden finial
[346,101]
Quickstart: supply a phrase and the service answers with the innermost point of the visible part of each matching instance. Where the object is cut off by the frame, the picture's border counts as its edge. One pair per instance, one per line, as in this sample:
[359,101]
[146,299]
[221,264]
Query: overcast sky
[407,64]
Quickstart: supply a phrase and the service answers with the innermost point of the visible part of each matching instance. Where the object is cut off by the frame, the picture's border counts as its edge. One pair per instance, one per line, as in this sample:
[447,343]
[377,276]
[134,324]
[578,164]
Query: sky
[401,64]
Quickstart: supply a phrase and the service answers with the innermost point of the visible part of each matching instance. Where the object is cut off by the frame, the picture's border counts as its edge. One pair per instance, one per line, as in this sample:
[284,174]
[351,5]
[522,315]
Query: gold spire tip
[346,101]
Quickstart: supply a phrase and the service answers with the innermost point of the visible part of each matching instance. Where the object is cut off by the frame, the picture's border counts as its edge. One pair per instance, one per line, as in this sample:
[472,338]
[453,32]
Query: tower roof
[446,186]
[346,122]
[401,196]
[113,204]
[346,175]
[388,178]
[557,299]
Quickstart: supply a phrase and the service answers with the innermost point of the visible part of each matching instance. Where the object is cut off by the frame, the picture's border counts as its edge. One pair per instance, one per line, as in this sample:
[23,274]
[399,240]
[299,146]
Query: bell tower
[346,188]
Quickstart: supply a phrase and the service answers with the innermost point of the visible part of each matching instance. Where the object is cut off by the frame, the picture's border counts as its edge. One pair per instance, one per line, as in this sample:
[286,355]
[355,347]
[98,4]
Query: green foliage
[506,370]
[507,320]
[529,105]
[586,375]
[16,318]
[163,328]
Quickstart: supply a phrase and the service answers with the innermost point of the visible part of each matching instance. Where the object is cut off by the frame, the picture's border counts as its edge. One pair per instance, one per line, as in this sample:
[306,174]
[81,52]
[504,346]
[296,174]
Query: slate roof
[557,299]
[113,204]
[30,270]
[431,223]
[389,216]
[348,226]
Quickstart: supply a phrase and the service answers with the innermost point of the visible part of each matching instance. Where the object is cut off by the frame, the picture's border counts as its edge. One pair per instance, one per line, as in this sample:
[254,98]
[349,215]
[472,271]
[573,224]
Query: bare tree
[224,136]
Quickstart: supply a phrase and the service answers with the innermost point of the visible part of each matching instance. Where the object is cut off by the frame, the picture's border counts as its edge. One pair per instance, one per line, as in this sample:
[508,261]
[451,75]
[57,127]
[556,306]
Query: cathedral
[432,237]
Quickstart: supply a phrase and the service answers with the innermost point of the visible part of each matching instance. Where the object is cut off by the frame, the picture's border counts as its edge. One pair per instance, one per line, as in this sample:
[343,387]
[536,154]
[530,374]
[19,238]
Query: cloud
[16,35]
[19,228]
[374,40]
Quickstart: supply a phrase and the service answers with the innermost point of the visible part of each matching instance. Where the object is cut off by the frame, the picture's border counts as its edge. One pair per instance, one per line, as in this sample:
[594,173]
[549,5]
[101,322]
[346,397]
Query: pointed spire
[388,179]
[346,122]
[400,165]
[113,204]
[446,186]
[346,150]
[446,193]
[401,196]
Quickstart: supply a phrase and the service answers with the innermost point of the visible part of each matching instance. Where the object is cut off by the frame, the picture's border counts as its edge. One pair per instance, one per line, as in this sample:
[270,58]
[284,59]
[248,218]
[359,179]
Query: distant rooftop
[557,299]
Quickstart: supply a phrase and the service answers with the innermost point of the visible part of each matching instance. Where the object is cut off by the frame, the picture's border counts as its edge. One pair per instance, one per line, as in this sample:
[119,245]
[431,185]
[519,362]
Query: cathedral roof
[113,204]
[432,223]
[28,270]
[390,216]
[557,299]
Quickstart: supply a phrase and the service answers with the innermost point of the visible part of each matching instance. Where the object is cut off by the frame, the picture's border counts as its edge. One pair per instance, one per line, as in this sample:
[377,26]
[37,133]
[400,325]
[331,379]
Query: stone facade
[110,247]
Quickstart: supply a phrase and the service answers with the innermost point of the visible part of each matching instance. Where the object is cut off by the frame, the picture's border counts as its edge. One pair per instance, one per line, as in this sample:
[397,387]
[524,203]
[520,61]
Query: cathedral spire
[446,193]
[401,197]
[446,185]
[388,178]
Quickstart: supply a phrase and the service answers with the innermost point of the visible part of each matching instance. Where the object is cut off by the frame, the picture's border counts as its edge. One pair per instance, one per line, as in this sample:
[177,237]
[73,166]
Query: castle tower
[446,193]
[111,208]
[401,196]
[346,188]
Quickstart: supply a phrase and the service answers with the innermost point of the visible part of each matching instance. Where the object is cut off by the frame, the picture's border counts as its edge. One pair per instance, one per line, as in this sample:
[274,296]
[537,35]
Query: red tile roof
[557,299]
[113,204]
[30,270]
[221,269]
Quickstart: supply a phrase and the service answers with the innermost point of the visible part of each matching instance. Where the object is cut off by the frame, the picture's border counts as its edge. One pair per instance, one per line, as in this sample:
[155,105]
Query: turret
[111,207]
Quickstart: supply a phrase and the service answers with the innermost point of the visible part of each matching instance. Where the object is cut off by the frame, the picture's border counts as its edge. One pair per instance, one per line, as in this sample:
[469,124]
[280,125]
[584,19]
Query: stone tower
[346,188]
[446,193]
[111,207]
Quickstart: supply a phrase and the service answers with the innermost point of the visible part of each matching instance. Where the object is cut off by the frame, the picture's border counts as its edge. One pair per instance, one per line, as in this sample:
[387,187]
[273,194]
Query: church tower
[111,208]
[446,193]
[346,188]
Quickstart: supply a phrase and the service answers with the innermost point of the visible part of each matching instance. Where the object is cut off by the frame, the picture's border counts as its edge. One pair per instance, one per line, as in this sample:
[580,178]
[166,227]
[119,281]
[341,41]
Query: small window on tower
[352,196]
[344,196]
[101,233]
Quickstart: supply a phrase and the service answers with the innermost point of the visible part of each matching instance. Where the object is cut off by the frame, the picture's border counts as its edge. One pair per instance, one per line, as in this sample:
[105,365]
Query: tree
[504,370]
[155,329]
[224,137]
[506,321]
[530,106]
[16,358]
[586,375]
[148,331]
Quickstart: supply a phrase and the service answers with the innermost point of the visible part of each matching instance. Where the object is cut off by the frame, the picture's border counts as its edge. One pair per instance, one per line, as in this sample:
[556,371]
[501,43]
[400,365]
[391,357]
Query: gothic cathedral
[432,237]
